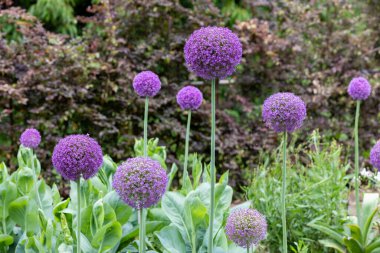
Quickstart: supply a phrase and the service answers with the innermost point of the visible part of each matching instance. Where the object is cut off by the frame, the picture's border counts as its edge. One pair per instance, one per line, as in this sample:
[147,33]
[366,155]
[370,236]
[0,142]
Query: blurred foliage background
[67,66]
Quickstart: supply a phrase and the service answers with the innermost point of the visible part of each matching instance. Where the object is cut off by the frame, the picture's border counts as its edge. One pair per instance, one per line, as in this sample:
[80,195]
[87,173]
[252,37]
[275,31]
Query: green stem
[141,230]
[4,222]
[78,215]
[146,127]
[247,249]
[283,195]
[212,169]
[356,133]
[187,142]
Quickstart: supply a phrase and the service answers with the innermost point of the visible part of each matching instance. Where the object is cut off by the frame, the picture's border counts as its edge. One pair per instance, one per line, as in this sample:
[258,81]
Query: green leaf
[173,205]
[196,170]
[333,244]
[59,208]
[25,180]
[326,230]
[186,184]
[151,227]
[3,172]
[123,211]
[171,239]
[6,240]
[369,210]
[355,232]
[8,193]
[353,245]
[107,237]
[17,210]
[171,175]
[374,245]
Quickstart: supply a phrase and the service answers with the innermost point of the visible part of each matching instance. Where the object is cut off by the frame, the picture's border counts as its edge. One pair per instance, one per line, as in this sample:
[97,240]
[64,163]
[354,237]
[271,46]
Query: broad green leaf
[329,232]
[157,214]
[123,211]
[171,239]
[59,208]
[353,246]
[334,245]
[151,227]
[186,184]
[5,240]
[107,237]
[97,215]
[8,193]
[17,210]
[374,245]
[369,210]
[25,180]
[355,232]
[196,170]
[3,172]
[173,205]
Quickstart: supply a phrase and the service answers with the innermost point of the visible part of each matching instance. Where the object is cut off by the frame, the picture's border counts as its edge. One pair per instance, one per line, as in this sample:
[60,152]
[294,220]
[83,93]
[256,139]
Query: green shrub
[316,191]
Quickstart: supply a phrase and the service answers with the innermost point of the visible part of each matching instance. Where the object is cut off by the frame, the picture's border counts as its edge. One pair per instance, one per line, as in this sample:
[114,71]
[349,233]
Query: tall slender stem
[283,197]
[78,215]
[187,142]
[141,230]
[247,249]
[146,127]
[356,133]
[212,169]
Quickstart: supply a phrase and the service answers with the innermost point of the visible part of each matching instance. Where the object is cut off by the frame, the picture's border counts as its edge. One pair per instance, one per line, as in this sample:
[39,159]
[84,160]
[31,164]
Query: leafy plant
[355,237]
[316,191]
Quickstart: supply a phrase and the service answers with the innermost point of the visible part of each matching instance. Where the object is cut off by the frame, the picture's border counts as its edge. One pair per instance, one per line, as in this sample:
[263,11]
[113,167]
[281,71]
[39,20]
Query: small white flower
[366,173]
[377,177]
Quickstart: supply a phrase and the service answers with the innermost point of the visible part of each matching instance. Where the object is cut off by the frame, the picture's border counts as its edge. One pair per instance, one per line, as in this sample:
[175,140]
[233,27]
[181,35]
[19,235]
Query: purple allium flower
[359,88]
[246,227]
[375,155]
[284,112]
[146,84]
[189,98]
[213,52]
[30,138]
[77,155]
[140,182]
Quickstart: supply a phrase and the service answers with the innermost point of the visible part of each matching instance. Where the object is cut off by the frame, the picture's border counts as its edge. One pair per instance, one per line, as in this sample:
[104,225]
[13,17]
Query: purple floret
[30,138]
[146,84]
[213,52]
[246,227]
[359,88]
[189,98]
[284,112]
[375,155]
[76,156]
[140,182]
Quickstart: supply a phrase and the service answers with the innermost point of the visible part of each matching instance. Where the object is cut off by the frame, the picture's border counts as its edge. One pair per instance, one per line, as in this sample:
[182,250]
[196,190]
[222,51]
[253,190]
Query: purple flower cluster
[30,138]
[246,227]
[189,98]
[213,52]
[359,88]
[140,182]
[375,155]
[77,155]
[146,84]
[284,112]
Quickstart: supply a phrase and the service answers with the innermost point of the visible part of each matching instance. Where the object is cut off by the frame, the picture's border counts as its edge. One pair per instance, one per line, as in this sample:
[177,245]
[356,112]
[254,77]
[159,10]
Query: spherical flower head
[359,88]
[140,182]
[30,138]
[284,112]
[213,52]
[146,84]
[246,227]
[374,156]
[189,98]
[77,155]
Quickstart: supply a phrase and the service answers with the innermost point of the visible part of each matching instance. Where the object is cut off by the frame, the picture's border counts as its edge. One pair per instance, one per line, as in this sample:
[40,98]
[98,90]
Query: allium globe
[284,112]
[213,52]
[189,98]
[375,155]
[146,84]
[30,138]
[77,155]
[359,88]
[140,182]
[246,227]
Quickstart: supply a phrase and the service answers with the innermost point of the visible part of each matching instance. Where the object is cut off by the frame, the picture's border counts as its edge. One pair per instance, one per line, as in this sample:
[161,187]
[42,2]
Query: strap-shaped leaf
[328,231]
[333,244]
[369,209]
[353,246]
[373,246]
[356,233]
